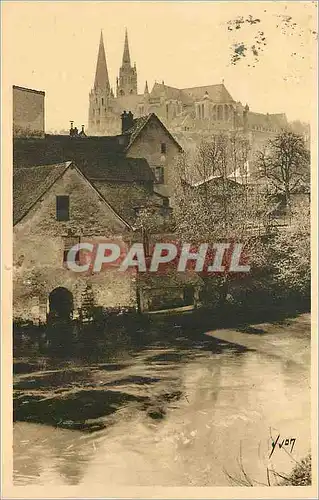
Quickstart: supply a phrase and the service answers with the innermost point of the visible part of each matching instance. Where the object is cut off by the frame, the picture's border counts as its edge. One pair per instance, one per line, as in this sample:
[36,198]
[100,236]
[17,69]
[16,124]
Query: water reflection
[170,414]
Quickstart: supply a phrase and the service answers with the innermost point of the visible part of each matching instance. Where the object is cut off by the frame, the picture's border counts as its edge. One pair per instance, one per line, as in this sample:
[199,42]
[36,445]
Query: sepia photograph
[159,230]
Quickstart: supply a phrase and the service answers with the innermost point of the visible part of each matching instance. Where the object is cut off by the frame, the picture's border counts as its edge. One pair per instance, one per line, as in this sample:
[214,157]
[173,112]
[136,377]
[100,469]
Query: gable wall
[148,145]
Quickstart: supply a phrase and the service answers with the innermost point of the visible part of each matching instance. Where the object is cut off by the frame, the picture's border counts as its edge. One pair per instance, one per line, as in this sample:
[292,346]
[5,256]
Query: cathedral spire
[126,61]
[101,81]
[146,88]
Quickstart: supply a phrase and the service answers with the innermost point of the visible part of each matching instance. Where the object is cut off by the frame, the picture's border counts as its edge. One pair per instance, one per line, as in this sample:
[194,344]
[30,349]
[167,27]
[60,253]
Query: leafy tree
[284,164]
[289,254]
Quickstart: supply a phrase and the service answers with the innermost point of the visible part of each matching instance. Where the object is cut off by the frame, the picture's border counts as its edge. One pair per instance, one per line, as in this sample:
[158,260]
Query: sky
[52,46]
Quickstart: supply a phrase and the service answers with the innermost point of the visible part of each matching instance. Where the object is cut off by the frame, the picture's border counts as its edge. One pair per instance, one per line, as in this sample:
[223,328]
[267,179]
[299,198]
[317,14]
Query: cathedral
[187,111]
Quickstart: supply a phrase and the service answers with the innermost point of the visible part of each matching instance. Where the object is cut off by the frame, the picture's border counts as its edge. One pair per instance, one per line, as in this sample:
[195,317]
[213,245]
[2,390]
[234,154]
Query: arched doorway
[61,303]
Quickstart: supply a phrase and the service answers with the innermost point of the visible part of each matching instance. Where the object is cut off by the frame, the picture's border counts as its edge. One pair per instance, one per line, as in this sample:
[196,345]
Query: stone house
[28,112]
[57,205]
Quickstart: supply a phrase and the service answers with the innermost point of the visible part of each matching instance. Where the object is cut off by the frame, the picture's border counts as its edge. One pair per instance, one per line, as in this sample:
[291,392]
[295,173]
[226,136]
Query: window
[69,242]
[166,202]
[102,101]
[159,174]
[163,148]
[62,208]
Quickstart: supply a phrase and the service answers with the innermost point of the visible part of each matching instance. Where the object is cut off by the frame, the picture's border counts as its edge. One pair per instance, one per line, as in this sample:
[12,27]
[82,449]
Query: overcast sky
[52,46]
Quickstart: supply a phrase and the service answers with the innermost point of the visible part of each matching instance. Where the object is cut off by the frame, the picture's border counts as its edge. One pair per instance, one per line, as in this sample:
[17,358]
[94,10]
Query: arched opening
[61,303]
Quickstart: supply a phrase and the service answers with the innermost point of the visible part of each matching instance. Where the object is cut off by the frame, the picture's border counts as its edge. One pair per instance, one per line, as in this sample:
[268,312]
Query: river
[203,412]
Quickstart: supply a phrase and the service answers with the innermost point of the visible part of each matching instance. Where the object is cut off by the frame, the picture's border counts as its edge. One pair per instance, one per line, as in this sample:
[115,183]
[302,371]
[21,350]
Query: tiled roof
[139,124]
[30,184]
[98,157]
[126,198]
[59,148]
[160,90]
[217,93]
[115,168]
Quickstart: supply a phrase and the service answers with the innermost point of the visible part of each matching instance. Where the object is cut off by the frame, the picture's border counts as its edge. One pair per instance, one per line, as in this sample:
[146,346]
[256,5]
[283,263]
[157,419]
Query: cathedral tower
[101,96]
[126,83]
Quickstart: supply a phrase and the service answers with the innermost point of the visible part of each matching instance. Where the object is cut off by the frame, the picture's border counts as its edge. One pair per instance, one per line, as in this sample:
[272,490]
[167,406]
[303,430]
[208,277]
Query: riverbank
[113,332]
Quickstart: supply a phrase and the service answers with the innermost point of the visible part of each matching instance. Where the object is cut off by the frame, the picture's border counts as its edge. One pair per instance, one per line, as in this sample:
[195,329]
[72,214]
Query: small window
[159,174]
[163,148]
[69,242]
[62,208]
[166,202]
[102,101]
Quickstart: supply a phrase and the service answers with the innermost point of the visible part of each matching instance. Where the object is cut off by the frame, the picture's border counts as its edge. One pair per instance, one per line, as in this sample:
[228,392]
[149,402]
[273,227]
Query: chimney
[71,129]
[82,133]
[127,121]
